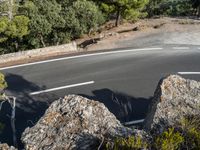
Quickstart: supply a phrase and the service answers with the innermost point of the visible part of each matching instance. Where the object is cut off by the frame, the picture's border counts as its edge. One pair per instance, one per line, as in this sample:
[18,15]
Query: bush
[130,143]
[170,7]
[169,140]
[184,135]
[190,127]
[82,17]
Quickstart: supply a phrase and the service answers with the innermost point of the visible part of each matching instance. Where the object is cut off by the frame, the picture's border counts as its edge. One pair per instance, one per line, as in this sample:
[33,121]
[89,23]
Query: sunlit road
[123,80]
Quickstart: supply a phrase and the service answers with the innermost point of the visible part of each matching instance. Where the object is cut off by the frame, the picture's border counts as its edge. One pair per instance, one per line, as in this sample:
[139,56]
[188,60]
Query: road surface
[124,80]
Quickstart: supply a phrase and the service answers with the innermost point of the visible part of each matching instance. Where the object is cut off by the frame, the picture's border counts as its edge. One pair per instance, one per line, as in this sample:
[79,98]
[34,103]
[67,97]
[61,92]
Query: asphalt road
[123,80]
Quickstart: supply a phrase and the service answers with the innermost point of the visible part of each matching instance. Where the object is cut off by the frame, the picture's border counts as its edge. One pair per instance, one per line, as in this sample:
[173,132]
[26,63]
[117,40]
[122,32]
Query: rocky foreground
[75,122]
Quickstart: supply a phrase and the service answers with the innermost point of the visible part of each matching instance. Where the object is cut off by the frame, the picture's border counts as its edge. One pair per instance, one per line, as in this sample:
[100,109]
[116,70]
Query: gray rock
[174,98]
[6,147]
[73,123]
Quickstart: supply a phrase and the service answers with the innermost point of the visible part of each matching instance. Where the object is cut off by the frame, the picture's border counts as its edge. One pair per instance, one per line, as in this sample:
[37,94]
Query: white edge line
[180,47]
[62,87]
[80,56]
[189,73]
[134,122]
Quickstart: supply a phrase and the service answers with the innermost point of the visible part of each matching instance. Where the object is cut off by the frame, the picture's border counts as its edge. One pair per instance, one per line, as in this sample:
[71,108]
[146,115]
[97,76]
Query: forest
[30,24]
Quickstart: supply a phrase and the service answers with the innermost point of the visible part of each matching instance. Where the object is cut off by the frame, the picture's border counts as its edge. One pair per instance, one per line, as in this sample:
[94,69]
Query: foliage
[196,6]
[7,9]
[81,17]
[3,28]
[184,135]
[190,127]
[3,85]
[56,22]
[130,143]
[18,27]
[44,17]
[172,7]
[127,9]
[12,32]
[34,23]
[169,140]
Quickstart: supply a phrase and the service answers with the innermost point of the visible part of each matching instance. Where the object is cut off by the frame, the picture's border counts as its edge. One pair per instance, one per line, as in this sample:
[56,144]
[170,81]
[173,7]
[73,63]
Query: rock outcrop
[174,98]
[73,123]
[6,147]
[78,123]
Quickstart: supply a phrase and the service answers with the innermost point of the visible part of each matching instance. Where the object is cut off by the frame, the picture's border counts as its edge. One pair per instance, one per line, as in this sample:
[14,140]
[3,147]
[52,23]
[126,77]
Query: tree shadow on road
[28,109]
[123,106]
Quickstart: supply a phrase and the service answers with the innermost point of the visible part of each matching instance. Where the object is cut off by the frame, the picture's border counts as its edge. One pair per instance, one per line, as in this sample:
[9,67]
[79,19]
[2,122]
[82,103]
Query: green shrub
[130,143]
[82,17]
[3,83]
[190,127]
[169,140]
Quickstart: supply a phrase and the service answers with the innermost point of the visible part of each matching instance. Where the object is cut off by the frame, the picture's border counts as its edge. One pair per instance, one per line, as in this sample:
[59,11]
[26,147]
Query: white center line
[179,48]
[81,56]
[189,73]
[62,87]
[134,122]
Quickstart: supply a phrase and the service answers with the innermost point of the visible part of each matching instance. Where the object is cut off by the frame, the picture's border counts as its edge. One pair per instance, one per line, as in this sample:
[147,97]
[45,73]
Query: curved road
[124,80]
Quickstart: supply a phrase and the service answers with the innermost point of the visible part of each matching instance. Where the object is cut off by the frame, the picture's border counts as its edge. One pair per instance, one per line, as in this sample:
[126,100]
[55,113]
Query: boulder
[73,122]
[174,98]
[6,147]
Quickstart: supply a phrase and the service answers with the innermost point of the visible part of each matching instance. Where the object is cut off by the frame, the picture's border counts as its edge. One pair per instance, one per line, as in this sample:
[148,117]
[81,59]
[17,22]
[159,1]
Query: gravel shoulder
[151,32]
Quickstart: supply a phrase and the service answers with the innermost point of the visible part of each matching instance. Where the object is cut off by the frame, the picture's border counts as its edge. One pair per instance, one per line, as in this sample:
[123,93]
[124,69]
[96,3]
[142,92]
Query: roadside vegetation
[12,101]
[185,135]
[33,24]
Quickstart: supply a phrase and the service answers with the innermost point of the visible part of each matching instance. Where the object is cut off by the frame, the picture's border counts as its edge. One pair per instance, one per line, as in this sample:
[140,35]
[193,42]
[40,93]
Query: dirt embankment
[158,31]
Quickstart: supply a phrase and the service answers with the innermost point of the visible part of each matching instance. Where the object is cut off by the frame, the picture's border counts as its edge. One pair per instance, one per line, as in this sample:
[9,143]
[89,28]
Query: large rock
[174,98]
[73,123]
[6,147]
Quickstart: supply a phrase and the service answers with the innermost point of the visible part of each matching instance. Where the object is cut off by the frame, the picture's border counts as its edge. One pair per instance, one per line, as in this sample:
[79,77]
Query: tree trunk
[12,120]
[198,11]
[118,17]
[42,41]
[16,46]
[12,101]
[10,11]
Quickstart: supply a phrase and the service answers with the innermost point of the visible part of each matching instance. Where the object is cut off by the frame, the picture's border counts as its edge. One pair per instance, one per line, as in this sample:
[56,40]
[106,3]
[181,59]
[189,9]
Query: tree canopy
[127,9]
[29,24]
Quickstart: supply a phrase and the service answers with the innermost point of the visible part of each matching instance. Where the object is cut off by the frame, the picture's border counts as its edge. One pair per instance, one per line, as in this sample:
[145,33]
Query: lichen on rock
[174,98]
[73,122]
[6,147]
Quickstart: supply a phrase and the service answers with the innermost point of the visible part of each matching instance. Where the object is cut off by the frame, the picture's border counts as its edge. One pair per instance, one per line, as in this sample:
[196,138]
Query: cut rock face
[174,98]
[73,122]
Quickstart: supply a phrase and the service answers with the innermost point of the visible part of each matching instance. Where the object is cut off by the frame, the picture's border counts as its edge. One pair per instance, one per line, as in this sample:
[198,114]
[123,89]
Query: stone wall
[41,52]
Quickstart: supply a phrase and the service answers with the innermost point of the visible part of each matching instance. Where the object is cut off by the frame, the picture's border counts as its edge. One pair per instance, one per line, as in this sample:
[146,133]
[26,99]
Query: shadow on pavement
[124,107]
[28,109]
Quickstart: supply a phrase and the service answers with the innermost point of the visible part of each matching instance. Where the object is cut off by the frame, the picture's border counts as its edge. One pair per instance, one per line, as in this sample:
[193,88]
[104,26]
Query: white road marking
[189,73]
[80,56]
[199,48]
[62,87]
[179,48]
[134,122]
